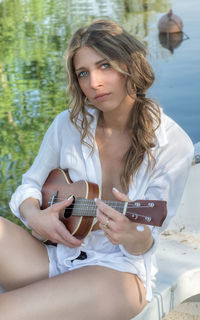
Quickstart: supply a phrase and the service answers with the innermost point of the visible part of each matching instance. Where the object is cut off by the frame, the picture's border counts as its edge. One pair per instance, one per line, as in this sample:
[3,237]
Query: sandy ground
[191,239]
[186,311]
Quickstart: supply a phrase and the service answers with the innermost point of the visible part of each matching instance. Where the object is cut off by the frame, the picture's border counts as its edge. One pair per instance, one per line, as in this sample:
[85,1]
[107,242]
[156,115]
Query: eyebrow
[96,63]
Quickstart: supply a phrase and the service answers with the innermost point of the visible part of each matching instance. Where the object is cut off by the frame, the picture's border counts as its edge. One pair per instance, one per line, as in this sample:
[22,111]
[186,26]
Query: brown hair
[119,48]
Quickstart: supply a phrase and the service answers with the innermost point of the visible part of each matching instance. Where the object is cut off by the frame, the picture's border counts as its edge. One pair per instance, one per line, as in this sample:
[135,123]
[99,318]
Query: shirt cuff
[19,196]
[154,233]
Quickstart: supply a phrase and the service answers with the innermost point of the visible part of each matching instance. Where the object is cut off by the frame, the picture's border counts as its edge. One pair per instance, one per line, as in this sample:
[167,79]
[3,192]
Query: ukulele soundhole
[68,210]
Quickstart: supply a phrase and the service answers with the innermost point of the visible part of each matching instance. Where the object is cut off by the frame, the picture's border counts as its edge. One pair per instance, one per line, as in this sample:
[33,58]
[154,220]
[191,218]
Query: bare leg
[88,293]
[23,259]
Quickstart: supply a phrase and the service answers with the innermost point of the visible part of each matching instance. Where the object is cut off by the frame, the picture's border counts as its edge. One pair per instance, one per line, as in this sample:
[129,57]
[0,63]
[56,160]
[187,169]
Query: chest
[112,150]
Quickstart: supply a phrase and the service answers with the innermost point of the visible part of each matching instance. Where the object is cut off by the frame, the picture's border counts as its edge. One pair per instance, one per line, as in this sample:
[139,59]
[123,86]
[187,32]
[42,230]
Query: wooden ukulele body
[61,186]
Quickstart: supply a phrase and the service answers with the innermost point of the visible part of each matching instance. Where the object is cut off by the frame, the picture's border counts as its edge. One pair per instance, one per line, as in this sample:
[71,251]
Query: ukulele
[79,217]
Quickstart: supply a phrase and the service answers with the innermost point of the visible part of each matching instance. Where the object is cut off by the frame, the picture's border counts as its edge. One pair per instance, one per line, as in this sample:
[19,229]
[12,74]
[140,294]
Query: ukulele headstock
[151,212]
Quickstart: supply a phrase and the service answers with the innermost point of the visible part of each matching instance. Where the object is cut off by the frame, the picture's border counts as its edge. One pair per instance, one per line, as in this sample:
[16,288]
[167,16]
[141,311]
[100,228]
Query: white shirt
[61,147]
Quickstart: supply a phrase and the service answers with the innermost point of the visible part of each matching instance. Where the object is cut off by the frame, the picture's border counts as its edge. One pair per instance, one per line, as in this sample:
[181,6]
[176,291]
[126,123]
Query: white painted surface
[188,216]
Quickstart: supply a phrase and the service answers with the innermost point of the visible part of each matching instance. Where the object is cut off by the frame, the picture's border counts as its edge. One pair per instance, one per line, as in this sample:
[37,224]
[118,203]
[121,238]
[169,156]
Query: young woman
[116,137]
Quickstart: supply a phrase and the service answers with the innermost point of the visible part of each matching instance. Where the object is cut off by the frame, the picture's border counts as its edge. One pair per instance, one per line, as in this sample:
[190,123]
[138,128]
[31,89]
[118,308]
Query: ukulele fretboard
[86,207]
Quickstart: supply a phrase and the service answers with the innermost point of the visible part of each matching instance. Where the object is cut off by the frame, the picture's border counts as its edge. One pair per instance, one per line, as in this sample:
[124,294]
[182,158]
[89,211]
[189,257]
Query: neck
[118,119]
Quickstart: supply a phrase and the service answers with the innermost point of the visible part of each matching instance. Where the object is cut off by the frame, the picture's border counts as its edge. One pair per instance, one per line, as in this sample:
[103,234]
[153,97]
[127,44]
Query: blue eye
[82,74]
[105,65]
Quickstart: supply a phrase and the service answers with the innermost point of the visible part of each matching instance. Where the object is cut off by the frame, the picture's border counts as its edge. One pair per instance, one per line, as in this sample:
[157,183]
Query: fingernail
[114,189]
[70,197]
[82,244]
[95,199]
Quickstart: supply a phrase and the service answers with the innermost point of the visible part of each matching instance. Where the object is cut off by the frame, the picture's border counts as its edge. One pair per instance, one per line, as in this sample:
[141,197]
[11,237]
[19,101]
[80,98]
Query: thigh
[88,293]
[23,259]
[104,293]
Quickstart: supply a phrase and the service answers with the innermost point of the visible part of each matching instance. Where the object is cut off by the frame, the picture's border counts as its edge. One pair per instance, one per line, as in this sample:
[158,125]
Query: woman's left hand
[116,226]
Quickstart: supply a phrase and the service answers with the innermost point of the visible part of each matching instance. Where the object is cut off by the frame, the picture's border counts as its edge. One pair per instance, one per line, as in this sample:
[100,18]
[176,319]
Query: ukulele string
[80,201]
[114,205]
[91,207]
[90,203]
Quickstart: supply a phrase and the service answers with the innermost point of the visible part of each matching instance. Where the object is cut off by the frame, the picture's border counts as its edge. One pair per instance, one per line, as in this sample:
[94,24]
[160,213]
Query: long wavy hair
[119,48]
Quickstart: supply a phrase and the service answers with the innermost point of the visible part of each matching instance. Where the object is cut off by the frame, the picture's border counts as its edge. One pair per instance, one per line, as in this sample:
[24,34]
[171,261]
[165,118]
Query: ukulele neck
[87,207]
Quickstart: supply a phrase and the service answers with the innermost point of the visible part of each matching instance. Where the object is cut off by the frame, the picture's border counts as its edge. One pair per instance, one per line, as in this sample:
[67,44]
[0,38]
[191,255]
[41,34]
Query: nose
[96,80]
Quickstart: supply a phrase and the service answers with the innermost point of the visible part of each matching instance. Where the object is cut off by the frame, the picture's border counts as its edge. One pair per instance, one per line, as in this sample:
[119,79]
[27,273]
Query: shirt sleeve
[168,178]
[46,160]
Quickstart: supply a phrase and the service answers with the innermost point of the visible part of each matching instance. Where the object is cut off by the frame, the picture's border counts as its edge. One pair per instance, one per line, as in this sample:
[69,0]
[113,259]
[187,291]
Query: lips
[101,96]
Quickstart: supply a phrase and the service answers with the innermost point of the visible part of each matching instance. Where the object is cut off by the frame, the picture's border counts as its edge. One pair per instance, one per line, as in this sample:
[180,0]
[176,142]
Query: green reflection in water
[33,38]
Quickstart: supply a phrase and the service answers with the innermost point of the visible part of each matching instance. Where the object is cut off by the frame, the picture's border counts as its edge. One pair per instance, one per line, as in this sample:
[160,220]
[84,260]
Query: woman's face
[103,86]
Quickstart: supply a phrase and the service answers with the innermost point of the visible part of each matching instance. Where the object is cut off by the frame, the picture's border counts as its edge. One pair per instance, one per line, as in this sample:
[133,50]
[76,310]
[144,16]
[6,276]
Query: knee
[2,224]
[4,228]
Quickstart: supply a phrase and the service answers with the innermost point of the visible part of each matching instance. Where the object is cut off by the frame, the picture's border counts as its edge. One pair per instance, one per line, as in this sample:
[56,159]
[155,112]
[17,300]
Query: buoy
[170,23]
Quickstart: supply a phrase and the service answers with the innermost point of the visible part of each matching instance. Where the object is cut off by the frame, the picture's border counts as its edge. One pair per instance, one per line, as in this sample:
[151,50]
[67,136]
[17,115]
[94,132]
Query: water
[177,85]
[33,38]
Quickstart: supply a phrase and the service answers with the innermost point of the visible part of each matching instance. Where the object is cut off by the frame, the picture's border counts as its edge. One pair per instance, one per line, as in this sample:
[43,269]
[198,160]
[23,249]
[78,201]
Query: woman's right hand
[46,225]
